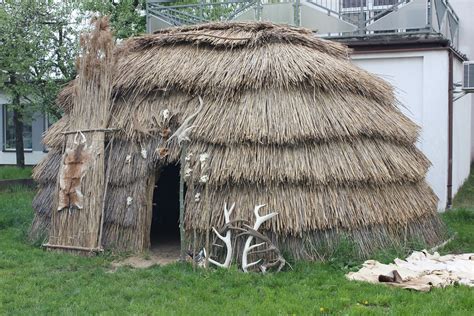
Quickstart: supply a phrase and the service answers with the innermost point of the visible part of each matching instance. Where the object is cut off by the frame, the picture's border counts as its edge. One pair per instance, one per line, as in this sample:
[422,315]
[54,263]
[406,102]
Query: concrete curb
[6,184]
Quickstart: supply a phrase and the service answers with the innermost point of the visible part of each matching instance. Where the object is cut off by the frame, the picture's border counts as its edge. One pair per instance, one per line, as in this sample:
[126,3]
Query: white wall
[31,158]
[462,136]
[465,11]
[421,81]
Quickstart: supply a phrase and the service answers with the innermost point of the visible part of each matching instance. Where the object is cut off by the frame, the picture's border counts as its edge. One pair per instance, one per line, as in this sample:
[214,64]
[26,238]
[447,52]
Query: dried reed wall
[287,121]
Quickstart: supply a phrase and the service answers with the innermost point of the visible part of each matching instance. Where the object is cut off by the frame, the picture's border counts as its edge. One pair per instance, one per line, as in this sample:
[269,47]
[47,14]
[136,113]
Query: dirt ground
[163,253]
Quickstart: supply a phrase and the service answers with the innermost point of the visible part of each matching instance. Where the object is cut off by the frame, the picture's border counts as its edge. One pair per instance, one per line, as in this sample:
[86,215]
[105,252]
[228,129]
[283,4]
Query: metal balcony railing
[180,13]
[327,17]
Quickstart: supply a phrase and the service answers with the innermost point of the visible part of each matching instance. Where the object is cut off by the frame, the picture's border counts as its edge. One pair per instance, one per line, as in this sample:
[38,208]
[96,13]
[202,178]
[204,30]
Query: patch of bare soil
[162,254]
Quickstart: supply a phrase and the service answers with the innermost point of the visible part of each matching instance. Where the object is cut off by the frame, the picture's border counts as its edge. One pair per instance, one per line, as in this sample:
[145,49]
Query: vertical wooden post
[181,201]
[191,191]
[107,176]
[146,221]
[208,228]
[194,248]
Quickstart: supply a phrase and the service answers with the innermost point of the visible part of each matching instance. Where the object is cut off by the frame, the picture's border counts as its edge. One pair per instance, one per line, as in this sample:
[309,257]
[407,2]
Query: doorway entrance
[165,217]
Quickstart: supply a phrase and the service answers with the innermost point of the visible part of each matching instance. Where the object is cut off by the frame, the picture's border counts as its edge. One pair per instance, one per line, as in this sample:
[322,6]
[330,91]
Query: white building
[32,132]
[421,77]
[417,45]
[423,68]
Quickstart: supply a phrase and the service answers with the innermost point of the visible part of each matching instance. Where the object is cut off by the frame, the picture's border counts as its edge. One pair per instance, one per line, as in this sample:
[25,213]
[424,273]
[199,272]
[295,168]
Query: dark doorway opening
[165,218]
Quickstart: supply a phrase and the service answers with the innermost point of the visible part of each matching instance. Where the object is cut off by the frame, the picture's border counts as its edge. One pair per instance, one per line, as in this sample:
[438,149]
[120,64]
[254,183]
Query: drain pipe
[449,203]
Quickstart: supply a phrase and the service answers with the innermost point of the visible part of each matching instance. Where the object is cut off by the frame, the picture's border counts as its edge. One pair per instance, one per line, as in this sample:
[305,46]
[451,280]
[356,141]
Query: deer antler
[226,239]
[182,133]
[247,247]
[271,247]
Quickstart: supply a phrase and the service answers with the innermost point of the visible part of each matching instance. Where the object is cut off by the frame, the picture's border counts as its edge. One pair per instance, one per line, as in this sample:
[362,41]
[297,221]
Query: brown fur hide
[73,169]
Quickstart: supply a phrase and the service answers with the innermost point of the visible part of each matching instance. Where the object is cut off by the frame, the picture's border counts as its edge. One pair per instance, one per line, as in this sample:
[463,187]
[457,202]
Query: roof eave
[398,43]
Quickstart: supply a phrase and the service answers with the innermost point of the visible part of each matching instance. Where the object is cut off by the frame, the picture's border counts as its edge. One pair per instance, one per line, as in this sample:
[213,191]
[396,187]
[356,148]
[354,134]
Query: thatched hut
[286,120]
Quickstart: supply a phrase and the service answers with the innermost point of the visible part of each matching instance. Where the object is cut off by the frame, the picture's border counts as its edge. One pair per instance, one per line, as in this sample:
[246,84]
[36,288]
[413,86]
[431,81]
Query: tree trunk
[18,124]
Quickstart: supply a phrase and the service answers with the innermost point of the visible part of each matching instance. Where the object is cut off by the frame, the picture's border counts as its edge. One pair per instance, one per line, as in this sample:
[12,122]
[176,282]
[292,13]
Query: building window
[49,120]
[354,3]
[384,2]
[9,131]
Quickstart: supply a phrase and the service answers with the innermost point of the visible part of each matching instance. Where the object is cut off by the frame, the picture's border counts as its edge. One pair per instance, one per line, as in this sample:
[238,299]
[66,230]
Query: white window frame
[4,131]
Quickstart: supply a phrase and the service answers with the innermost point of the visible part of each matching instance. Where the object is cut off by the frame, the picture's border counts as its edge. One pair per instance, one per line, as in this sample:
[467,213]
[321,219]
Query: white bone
[143,153]
[188,157]
[228,244]
[187,172]
[83,138]
[261,219]
[182,133]
[252,264]
[204,179]
[256,245]
[166,114]
[203,157]
[226,239]
[227,213]
[247,247]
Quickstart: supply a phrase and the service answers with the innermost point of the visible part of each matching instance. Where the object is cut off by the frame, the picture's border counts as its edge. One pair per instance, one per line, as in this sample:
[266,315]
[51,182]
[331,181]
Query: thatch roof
[287,120]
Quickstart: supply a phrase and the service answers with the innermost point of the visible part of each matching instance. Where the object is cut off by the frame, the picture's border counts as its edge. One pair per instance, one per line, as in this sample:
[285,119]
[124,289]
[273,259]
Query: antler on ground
[279,260]
[251,233]
[226,239]
[248,247]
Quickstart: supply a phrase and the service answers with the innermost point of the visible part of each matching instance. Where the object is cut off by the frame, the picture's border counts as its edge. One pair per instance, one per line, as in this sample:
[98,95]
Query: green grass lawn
[12,172]
[33,281]
[465,197]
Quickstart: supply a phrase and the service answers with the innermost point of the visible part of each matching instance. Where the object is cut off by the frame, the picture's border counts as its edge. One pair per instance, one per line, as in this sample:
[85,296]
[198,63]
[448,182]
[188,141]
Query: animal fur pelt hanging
[74,167]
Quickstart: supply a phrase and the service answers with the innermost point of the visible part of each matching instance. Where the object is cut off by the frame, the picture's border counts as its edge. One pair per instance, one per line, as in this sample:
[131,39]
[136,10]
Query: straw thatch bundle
[287,121]
[81,166]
